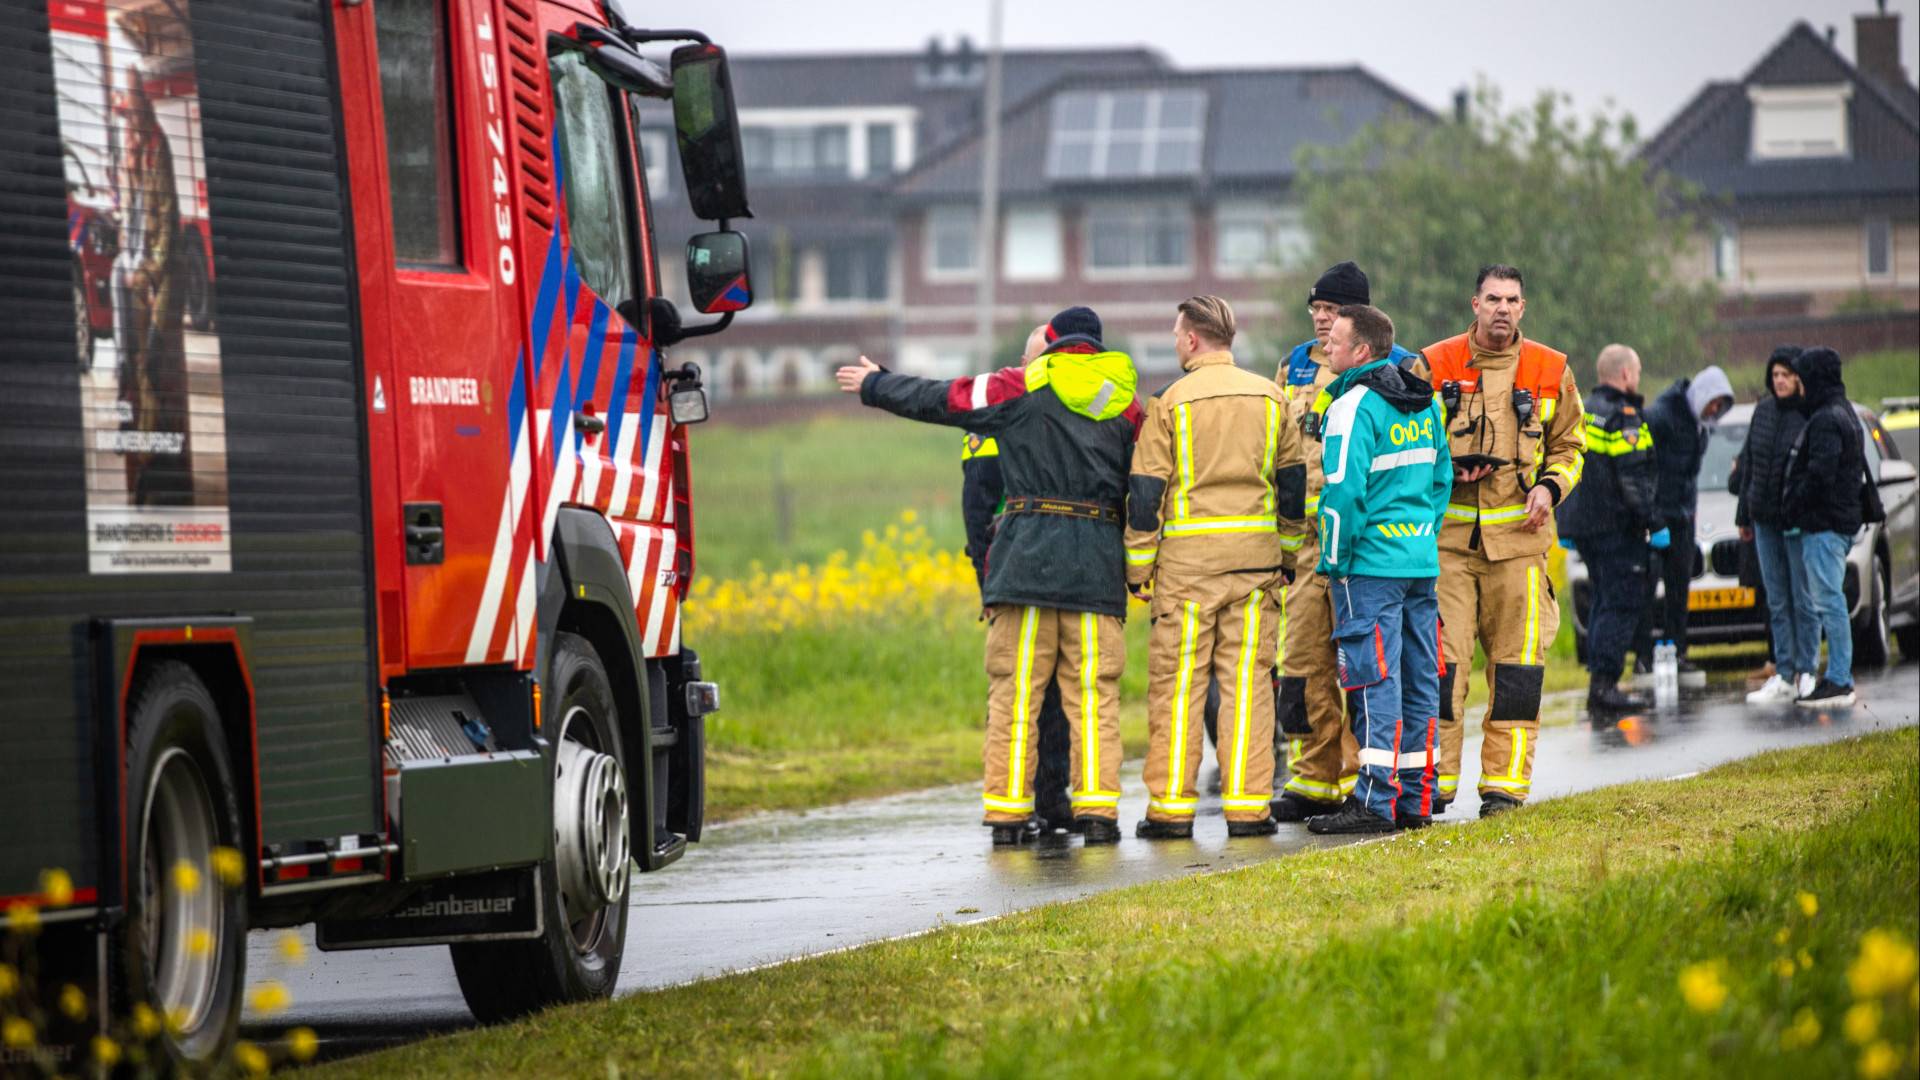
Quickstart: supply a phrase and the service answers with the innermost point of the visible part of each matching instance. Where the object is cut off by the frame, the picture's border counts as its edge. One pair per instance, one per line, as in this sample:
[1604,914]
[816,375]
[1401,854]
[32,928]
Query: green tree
[1422,206]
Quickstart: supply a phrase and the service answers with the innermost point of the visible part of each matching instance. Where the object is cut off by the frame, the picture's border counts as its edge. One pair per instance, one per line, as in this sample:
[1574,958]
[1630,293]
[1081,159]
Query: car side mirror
[686,397]
[1894,471]
[718,277]
[708,131]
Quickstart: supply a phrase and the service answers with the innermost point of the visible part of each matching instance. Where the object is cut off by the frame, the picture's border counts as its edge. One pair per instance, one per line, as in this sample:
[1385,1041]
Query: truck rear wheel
[185,935]
[584,885]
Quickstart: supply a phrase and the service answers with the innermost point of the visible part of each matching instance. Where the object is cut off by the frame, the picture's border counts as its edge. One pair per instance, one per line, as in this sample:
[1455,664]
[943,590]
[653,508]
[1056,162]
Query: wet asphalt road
[782,886]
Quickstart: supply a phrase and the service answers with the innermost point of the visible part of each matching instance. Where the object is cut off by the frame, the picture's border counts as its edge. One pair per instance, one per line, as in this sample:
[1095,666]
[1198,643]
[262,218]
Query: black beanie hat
[1341,284]
[1074,320]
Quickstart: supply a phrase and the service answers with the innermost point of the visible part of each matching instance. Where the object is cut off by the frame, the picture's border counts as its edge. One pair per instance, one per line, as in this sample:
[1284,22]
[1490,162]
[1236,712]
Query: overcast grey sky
[1649,56]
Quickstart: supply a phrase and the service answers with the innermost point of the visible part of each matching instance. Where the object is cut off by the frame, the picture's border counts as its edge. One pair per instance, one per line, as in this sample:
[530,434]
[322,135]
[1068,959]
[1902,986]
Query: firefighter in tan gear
[1514,421]
[1322,757]
[1215,512]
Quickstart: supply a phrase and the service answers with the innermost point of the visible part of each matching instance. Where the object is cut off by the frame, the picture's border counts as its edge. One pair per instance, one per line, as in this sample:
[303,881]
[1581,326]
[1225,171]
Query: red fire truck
[341,580]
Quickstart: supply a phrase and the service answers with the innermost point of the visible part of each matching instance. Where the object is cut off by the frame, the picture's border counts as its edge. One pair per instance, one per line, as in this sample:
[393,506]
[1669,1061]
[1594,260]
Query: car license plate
[1717,599]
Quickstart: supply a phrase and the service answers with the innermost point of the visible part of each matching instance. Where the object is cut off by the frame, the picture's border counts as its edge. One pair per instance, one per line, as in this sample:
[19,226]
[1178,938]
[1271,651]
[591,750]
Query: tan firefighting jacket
[1300,404]
[1218,482]
[1489,514]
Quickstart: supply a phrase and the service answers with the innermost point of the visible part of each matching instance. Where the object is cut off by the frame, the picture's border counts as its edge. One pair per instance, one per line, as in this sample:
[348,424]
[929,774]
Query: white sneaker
[1805,683]
[1775,691]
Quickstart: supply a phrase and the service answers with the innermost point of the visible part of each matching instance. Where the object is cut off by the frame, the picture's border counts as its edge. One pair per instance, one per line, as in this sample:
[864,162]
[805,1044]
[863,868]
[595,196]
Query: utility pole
[989,199]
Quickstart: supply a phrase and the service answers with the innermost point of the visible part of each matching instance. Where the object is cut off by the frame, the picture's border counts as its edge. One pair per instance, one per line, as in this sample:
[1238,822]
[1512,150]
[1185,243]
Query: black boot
[1293,806]
[1012,833]
[1351,818]
[1497,802]
[1097,830]
[1264,827]
[1059,816]
[1608,697]
[1149,829]
[1440,805]
[1405,821]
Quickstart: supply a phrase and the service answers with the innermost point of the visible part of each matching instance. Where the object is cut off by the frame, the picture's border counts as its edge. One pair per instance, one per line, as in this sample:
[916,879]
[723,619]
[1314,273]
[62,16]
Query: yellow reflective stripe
[1199,525]
[1090,700]
[1245,803]
[1141,556]
[1314,789]
[1313,503]
[1506,784]
[1095,798]
[1266,456]
[1463,513]
[1405,529]
[1546,408]
[1533,616]
[1185,452]
[1571,472]
[1009,806]
[1249,646]
[1292,541]
[1177,757]
[1280,654]
[1448,784]
[1347,783]
[1022,695]
[1178,807]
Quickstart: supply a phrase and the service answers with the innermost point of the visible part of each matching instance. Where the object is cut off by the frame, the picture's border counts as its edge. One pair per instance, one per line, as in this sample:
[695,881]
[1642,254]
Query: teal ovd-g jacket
[1388,473]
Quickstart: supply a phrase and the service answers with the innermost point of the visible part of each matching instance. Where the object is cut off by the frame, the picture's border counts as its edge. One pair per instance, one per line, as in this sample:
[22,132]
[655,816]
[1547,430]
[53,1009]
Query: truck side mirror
[717,274]
[709,133]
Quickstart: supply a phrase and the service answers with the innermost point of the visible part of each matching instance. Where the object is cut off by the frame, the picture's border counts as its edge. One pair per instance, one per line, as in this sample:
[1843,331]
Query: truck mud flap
[499,906]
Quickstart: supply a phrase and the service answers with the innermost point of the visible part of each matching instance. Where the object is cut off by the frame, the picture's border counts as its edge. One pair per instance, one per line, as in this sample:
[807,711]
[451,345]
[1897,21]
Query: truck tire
[181,808]
[583,884]
[1870,645]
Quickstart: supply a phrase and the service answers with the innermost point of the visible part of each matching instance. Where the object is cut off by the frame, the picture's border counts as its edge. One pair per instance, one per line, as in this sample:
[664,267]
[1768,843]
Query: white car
[1720,609]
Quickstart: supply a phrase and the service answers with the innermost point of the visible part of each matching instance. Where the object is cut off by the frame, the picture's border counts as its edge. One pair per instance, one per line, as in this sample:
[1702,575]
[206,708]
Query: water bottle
[1666,675]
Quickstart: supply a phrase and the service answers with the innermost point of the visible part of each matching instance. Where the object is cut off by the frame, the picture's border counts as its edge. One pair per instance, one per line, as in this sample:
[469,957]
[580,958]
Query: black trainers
[1608,697]
[1405,821]
[1097,830]
[1013,833]
[1351,818]
[1149,829]
[1828,695]
[1266,826]
[1497,802]
[1440,806]
[1293,806]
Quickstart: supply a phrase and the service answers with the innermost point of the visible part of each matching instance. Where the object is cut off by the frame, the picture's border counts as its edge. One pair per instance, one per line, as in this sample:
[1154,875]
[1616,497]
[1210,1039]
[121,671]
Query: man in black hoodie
[1825,469]
[1760,476]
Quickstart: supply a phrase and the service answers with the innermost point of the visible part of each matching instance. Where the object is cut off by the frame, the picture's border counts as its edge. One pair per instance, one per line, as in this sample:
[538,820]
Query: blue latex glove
[1566,543]
[1659,541]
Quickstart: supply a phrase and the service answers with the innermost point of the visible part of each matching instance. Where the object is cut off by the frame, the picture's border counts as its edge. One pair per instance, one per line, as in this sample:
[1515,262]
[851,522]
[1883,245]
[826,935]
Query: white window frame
[1885,273]
[1043,239]
[950,214]
[1776,106]
[1100,137]
[902,117]
[1724,250]
[1184,269]
[1285,243]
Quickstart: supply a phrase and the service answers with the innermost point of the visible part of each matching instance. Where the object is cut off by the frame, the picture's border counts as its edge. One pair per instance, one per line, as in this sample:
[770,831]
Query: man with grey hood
[1682,419]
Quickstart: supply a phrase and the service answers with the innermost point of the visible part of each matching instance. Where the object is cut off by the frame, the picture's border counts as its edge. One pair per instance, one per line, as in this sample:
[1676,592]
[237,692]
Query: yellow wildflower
[1879,1061]
[1783,967]
[1804,1031]
[186,877]
[1809,904]
[73,1002]
[199,941]
[252,1060]
[292,950]
[146,1023]
[9,981]
[106,1051]
[1781,936]
[229,867]
[1885,965]
[1862,1022]
[23,917]
[1806,959]
[57,887]
[270,997]
[17,1033]
[302,1044]
[1700,984]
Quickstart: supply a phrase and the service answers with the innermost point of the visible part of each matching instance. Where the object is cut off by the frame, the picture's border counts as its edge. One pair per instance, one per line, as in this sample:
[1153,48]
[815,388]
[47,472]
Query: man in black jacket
[1682,419]
[1608,517]
[1760,474]
[1825,470]
[1056,583]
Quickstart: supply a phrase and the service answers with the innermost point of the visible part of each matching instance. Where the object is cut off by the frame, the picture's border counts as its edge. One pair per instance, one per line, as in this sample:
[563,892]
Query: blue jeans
[1783,570]
[1386,633]
[1617,579]
[1825,557]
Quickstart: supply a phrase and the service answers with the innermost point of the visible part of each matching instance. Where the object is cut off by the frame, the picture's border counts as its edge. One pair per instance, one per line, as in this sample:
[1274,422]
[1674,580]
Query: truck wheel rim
[182,916]
[590,829]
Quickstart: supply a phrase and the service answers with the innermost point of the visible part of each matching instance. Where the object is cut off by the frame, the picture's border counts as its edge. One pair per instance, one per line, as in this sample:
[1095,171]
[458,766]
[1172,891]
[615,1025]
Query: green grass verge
[1549,942]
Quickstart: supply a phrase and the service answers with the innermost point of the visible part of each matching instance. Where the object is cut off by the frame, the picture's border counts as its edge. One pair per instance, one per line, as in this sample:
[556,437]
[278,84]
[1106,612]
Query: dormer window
[1794,122]
[1126,134]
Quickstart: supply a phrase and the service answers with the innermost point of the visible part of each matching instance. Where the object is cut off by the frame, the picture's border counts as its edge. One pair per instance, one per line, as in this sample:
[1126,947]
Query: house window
[415,88]
[1126,133]
[1799,121]
[810,152]
[1726,253]
[856,269]
[1139,237]
[951,247]
[1033,244]
[1253,237]
[653,155]
[879,149]
[1879,248]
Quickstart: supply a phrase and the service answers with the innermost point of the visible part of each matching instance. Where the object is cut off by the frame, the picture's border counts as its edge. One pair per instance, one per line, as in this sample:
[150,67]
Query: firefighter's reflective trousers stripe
[1321,765]
[1236,644]
[1510,607]
[1028,647]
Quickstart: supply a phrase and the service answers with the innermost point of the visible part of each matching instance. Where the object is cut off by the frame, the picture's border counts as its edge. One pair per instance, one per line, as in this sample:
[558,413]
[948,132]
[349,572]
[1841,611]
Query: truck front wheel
[584,886]
[185,930]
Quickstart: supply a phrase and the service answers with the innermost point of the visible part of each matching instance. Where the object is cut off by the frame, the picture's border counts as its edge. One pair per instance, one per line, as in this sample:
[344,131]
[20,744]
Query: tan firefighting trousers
[1324,764]
[1510,606]
[1211,628]
[1026,648]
